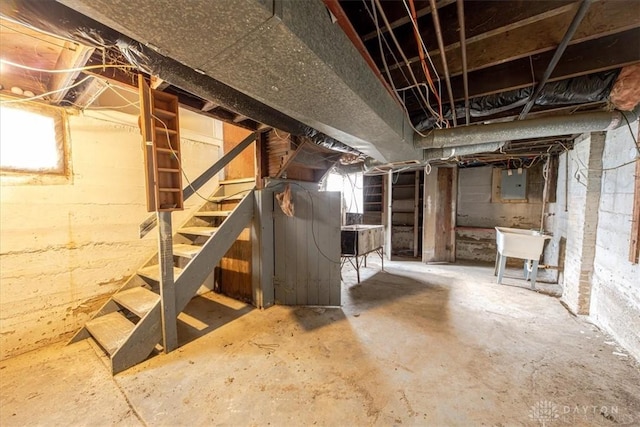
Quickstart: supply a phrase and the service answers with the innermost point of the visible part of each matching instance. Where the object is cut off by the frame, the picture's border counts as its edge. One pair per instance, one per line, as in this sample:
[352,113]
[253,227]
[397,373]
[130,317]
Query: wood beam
[603,19]
[239,118]
[72,56]
[406,20]
[157,83]
[209,105]
[482,20]
[606,53]
[91,92]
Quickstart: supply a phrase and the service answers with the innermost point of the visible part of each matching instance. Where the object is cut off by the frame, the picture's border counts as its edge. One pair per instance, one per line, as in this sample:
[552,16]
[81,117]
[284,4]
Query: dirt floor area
[414,345]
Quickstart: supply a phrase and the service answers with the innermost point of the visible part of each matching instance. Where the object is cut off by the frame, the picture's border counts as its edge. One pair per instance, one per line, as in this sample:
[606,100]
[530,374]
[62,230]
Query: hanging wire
[66,70]
[374,17]
[12,101]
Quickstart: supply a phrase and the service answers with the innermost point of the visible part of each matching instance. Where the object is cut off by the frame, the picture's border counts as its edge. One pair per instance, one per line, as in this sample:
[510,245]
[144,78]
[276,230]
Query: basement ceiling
[340,71]
[508,45]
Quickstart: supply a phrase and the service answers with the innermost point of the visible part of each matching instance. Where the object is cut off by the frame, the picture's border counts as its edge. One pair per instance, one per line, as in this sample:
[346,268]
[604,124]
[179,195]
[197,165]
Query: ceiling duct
[524,129]
[286,54]
[59,20]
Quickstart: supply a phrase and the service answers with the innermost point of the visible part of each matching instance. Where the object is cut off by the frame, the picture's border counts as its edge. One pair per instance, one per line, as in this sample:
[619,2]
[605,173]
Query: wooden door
[307,249]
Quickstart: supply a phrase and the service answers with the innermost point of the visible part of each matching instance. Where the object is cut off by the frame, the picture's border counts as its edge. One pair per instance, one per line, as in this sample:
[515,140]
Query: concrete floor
[415,345]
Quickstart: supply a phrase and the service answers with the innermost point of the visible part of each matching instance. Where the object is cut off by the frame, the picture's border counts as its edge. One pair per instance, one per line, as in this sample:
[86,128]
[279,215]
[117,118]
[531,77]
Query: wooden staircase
[130,326]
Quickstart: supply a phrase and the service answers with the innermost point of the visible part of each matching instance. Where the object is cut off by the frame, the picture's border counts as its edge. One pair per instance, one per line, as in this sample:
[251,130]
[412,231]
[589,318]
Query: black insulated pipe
[577,19]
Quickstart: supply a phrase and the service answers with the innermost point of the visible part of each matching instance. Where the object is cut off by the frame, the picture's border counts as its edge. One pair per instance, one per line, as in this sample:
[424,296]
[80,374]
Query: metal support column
[167,288]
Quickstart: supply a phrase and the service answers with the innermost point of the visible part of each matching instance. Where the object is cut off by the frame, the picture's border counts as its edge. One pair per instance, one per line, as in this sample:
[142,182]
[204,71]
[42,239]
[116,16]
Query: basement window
[32,140]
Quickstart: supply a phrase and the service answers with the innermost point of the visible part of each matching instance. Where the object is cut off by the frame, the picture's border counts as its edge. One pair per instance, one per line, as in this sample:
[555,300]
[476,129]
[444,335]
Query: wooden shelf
[161,133]
[162,130]
[163,114]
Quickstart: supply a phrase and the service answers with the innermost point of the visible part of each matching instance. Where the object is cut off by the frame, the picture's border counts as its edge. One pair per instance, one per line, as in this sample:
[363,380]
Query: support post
[167,288]
[502,264]
[389,213]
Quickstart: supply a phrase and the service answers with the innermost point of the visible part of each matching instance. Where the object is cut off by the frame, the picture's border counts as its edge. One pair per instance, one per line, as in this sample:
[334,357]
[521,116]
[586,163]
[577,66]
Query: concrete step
[110,330]
[137,300]
[186,251]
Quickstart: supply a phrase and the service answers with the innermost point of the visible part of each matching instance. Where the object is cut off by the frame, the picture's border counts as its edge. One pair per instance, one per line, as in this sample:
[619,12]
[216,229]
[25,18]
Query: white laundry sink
[519,243]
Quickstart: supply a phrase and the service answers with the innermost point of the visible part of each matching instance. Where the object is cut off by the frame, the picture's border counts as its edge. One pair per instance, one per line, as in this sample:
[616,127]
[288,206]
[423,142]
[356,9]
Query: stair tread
[199,231]
[213,213]
[110,330]
[138,300]
[229,198]
[153,272]
[186,251]
[237,181]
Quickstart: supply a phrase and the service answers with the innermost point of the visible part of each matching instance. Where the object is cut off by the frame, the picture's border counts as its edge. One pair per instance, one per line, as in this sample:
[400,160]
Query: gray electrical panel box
[513,185]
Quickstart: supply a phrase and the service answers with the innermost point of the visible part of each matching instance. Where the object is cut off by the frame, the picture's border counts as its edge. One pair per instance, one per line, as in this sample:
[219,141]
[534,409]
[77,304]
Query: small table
[358,241]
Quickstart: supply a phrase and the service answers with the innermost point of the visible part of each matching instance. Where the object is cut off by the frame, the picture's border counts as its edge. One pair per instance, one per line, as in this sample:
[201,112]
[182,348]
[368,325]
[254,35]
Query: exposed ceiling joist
[535,38]
[73,56]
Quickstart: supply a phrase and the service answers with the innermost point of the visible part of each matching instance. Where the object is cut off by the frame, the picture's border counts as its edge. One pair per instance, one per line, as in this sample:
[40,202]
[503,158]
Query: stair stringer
[200,266]
[140,343]
[133,281]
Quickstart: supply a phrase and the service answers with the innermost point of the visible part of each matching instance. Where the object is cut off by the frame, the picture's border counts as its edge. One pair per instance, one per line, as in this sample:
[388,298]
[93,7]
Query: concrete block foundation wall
[615,291]
[585,162]
[65,248]
[599,280]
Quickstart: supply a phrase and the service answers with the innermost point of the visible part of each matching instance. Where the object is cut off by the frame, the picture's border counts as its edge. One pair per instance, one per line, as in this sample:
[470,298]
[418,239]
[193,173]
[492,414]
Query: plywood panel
[302,210]
[242,166]
[235,269]
[307,268]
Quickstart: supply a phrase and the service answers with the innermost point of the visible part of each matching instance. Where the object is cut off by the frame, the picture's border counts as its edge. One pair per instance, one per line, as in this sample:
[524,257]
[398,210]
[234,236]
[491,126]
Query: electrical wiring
[113,107]
[391,33]
[78,83]
[635,141]
[313,217]
[374,18]
[67,70]
[422,50]
[381,38]
[195,191]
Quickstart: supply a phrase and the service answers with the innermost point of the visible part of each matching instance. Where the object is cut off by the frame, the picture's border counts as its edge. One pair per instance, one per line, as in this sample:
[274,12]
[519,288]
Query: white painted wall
[615,292]
[65,248]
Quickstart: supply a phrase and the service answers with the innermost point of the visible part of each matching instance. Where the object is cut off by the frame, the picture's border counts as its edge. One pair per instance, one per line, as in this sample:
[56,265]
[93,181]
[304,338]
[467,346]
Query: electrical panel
[513,185]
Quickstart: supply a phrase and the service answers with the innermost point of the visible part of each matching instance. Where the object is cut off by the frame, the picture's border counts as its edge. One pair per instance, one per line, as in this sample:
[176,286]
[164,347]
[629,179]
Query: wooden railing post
[167,284]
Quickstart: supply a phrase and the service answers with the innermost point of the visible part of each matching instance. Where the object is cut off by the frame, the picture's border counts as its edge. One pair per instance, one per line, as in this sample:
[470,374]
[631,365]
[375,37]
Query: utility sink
[519,243]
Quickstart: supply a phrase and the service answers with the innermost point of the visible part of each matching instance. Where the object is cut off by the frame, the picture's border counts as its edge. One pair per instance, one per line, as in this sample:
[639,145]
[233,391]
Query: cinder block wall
[64,249]
[585,162]
[615,292]
[599,280]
